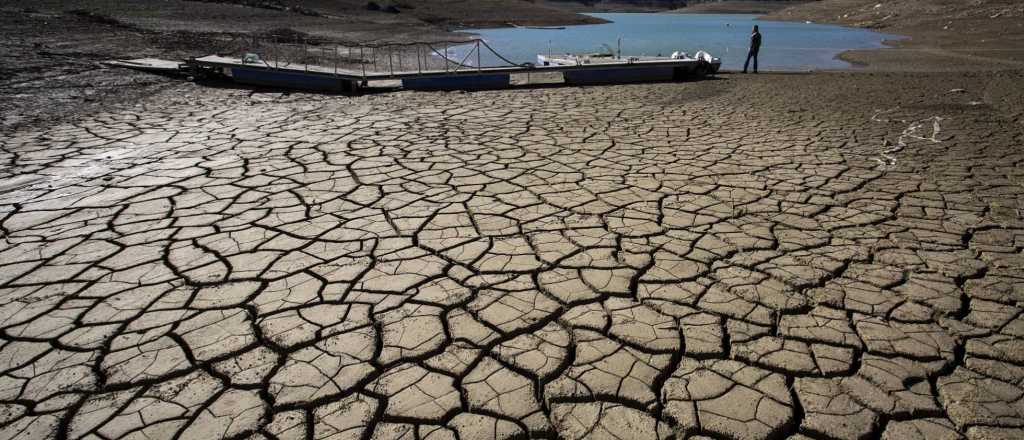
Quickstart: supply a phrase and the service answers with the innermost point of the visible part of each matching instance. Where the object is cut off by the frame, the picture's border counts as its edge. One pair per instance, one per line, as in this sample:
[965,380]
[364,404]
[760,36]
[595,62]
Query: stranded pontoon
[445,65]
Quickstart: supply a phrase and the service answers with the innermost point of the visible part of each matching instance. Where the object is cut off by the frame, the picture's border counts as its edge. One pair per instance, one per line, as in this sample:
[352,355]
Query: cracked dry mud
[566,263]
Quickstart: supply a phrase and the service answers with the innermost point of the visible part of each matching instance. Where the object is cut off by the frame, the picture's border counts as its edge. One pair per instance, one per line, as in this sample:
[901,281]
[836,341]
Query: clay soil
[782,255]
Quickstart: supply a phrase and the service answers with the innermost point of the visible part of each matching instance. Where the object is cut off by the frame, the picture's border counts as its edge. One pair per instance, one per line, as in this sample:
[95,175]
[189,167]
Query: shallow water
[786,45]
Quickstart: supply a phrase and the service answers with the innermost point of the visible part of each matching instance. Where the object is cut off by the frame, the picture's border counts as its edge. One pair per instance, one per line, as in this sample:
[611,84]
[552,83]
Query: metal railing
[295,52]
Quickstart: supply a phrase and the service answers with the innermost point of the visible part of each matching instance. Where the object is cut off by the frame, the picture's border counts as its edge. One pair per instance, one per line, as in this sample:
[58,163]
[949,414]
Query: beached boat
[331,72]
[606,67]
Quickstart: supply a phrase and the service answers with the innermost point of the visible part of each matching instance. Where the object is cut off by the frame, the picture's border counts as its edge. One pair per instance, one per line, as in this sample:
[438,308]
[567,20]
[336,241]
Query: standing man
[755,46]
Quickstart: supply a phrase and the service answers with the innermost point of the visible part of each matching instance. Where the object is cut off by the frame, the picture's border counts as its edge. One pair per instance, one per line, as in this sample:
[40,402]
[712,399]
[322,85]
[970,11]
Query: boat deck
[147,65]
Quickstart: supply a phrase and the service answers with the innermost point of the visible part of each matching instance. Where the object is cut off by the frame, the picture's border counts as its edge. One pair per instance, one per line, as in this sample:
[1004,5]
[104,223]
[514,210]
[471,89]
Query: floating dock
[152,65]
[252,70]
[321,78]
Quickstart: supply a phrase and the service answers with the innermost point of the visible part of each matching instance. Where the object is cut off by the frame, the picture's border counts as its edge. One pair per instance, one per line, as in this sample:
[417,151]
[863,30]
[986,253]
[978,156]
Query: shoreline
[734,7]
[854,64]
[934,38]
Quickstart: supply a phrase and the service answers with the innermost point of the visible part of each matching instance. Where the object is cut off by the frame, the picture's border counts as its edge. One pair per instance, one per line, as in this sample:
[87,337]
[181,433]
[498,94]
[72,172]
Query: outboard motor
[711,62]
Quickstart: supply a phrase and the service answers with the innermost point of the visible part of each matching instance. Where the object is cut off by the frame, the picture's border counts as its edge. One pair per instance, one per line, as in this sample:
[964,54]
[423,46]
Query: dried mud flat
[801,256]
[734,258]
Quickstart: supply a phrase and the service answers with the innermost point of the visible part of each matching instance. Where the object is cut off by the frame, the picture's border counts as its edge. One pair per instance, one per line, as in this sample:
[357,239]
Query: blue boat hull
[620,75]
[458,82]
[291,80]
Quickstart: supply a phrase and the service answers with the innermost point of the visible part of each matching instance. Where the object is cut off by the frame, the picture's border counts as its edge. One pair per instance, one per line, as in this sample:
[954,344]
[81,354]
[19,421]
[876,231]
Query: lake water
[786,45]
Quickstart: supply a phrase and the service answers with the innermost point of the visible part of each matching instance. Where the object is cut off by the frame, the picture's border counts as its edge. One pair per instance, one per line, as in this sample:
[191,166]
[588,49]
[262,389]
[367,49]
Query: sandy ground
[801,256]
[947,35]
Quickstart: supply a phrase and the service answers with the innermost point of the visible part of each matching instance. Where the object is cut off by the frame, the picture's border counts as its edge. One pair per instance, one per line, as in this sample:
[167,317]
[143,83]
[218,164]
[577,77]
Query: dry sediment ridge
[723,258]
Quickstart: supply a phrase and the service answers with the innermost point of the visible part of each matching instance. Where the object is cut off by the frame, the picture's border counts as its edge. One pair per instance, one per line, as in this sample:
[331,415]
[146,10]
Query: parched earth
[744,258]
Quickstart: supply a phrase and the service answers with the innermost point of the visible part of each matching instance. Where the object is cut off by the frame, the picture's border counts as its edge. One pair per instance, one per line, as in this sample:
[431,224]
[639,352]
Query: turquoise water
[786,45]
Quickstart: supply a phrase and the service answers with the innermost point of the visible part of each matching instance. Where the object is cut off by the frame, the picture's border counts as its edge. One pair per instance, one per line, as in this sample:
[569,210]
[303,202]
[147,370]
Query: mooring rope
[501,57]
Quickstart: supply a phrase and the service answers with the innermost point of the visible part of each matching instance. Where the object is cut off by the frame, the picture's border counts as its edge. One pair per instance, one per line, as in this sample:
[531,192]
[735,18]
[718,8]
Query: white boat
[606,67]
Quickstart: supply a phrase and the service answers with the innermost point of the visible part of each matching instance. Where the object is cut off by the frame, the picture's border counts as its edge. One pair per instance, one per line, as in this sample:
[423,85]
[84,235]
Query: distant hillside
[341,20]
[660,4]
[354,20]
[445,13]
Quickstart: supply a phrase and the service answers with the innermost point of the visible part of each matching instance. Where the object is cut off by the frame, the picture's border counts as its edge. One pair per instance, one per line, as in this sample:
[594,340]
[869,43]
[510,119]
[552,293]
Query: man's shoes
[744,71]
